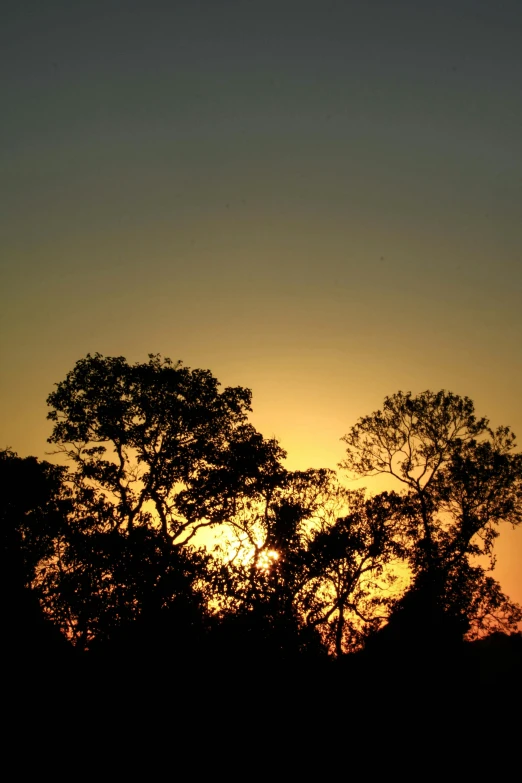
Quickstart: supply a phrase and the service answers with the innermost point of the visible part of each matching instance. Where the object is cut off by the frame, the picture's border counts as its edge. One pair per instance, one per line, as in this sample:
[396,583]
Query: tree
[460,479]
[352,566]
[158,453]
[160,441]
[265,563]
[34,505]
[311,561]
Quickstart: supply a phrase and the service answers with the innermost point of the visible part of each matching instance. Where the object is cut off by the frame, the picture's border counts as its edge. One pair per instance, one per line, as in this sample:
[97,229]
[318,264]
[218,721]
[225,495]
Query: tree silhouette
[461,480]
[313,557]
[158,454]
[158,439]
[353,571]
[265,562]
[177,535]
[34,504]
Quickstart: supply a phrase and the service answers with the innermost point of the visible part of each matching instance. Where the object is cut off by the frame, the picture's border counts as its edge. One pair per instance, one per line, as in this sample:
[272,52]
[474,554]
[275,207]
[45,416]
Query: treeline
[175,534]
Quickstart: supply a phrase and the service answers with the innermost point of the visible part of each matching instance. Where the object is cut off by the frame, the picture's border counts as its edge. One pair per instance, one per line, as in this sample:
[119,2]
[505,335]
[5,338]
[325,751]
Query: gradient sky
[320,200]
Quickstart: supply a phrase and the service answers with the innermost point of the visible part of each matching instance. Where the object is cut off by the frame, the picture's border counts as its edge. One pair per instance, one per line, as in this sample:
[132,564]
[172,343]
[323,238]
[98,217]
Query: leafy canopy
[460,480]
[159,438]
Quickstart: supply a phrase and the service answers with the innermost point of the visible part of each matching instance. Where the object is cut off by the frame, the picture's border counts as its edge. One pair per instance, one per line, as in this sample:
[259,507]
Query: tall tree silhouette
[158,453]
[158,439]
[461,479]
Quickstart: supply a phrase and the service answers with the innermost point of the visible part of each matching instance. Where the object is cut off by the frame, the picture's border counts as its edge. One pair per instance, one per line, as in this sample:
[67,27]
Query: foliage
[299,564]
[160,440]
[353,571]
[34,505]
[158,454]
[461,479]
[294,565]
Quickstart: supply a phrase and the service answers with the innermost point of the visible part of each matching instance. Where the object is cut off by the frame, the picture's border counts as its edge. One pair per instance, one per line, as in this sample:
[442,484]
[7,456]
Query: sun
[266,559]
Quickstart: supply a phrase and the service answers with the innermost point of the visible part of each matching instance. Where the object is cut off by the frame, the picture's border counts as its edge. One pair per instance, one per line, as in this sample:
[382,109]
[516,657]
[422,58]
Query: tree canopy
[460,480]
[158,438]
[292,563]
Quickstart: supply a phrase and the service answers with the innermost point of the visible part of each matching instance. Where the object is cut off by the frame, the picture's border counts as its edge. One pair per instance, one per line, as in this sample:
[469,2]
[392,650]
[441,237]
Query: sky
[319,200]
